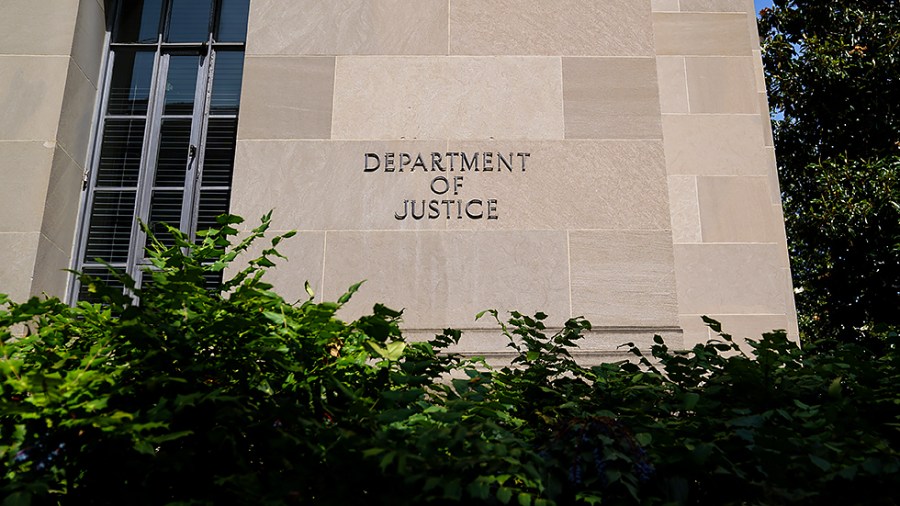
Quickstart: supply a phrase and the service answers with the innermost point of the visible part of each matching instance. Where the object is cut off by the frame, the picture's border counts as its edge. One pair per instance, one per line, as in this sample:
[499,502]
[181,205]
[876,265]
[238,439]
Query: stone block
[90,34]
[31,93]
[714,145]
[664,5]
[721,85]
[611,98]
[673,91]
[37,27]
[63,201]
[703,34]
[538,27]
[714,5]
[772,174]
[50,277]
[448,98]
[449,276]
[759,74]
[737,209]
[77,114]
[766,123]
[25,166]
[287,98]
[730,279]
[346,27]
[685,209]
[623,278]
[17,254]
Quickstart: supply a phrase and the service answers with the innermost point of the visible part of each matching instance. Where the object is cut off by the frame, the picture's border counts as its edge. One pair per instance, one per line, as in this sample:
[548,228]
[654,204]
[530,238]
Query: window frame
[154,116]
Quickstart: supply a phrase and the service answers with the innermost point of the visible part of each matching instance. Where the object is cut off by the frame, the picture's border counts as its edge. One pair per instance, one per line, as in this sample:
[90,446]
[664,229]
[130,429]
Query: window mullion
[148,164]
[201,115]
[90,176]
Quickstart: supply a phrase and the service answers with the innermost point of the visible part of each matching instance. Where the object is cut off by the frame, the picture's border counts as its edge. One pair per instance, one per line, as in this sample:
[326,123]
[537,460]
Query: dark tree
[833,73]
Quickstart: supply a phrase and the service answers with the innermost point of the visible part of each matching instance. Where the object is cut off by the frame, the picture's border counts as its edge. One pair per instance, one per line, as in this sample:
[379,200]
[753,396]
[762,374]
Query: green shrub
[232,395]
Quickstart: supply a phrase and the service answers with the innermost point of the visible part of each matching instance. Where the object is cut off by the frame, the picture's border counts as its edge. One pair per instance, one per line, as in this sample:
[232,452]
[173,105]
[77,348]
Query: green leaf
[820,462]
[346,297]
[371,452]
[387,459]
[453,490]
[171,436]
[713,324]
[504,495]
[690,401]
[276,318]
[20,498]
[479,489]
[524,499]
[492,312]
[144,447]
[588,498]
[848,473]
[394,350]
[834,390]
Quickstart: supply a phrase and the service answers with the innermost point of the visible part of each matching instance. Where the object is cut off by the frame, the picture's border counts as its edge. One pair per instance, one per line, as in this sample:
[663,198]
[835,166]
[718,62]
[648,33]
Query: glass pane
[189,21]
[165,207]
[212,204]
[232,22]
[181,84]
[174,146]
[139,21]
[226,91]
[218,161]
[120,156]
[109,233]
[129,89]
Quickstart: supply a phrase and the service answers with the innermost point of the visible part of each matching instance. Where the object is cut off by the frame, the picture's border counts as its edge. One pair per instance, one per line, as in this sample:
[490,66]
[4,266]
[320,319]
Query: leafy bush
[232,395]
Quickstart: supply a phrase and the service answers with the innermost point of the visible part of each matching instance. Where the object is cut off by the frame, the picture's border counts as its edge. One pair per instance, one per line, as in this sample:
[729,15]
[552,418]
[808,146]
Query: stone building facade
[608,159]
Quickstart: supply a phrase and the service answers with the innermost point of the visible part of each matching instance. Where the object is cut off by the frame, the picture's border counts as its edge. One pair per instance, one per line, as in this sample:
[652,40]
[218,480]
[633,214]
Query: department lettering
[450,161]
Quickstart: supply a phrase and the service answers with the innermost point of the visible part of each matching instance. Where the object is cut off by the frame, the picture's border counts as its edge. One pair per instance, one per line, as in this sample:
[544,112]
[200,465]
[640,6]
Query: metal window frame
[136,263]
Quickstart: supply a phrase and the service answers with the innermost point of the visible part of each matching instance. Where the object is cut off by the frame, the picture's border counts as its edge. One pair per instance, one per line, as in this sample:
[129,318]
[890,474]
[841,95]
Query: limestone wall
[649,195]
[50,53]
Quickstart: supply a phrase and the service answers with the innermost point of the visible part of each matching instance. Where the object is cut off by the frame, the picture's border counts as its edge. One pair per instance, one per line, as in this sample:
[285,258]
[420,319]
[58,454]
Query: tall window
[168,121]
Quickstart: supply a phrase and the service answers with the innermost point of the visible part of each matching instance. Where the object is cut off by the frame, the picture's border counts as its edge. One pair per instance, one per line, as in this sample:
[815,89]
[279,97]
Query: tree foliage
[232,395]
[833,73]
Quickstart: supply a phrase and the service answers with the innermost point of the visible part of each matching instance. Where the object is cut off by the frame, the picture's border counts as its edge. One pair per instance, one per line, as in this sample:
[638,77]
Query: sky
[762,3]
